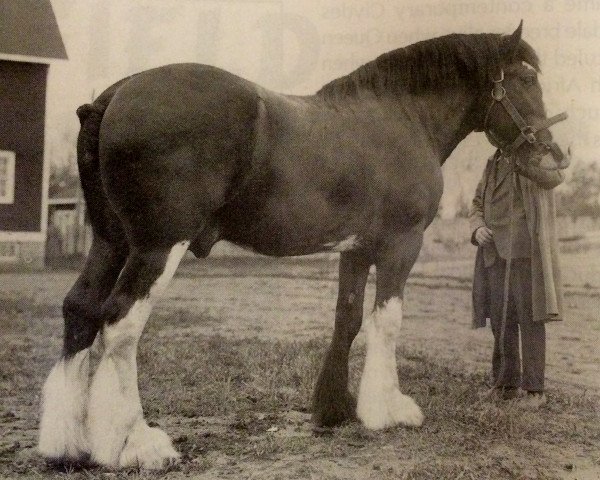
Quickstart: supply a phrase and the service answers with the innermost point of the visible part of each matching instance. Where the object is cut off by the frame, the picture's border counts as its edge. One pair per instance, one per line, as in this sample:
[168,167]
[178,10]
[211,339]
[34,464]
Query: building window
[7,176]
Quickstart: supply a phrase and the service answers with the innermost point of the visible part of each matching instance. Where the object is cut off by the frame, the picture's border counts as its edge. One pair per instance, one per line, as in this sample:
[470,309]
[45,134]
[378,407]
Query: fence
[69,234]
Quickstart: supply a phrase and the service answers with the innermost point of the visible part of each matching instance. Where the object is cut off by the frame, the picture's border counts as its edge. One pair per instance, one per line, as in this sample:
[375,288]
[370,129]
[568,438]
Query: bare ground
[230,356]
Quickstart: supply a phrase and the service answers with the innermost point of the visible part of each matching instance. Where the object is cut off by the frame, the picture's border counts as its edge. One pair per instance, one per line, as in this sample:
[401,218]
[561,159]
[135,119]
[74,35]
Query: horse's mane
[445,61]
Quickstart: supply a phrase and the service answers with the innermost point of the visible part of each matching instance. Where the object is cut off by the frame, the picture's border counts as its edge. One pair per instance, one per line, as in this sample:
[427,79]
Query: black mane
[474,59]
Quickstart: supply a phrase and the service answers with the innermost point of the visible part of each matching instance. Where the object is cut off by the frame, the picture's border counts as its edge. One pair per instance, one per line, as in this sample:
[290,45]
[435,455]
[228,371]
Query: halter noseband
[528,133]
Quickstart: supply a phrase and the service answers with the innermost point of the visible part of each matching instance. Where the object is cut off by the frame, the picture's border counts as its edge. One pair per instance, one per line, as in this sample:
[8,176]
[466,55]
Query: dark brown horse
[181,156]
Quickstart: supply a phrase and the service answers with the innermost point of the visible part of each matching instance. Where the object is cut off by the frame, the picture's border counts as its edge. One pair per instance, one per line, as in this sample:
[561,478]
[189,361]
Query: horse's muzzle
[553,157]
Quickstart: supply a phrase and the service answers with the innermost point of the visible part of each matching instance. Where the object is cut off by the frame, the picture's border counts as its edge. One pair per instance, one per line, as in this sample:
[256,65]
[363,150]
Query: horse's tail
[82,307]
[103,219]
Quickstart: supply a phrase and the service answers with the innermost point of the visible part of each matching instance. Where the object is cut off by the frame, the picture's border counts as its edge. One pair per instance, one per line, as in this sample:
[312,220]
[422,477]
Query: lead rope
[511,196]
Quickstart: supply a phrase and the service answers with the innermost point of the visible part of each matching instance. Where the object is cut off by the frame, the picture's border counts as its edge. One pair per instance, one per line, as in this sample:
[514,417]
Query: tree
[64,178]
[64,181]
[580,195]
[463,205]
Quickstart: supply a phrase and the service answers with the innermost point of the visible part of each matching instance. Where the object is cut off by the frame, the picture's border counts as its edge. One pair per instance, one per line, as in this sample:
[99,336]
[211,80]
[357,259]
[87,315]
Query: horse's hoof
[148,448]
[69,463]
[330,413]
[388,410]
[408,412]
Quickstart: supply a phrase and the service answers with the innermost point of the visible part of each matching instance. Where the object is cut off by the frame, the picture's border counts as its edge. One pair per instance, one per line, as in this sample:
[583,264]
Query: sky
[297,46]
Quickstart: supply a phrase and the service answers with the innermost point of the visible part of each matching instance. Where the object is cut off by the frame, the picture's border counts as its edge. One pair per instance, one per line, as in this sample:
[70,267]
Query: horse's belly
[283,229]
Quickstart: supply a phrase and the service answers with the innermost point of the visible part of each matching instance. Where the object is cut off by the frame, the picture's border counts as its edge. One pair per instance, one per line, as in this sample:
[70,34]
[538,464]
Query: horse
[179,157]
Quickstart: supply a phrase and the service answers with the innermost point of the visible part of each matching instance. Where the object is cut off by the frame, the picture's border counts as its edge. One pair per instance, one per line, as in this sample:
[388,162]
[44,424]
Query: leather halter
[528,133]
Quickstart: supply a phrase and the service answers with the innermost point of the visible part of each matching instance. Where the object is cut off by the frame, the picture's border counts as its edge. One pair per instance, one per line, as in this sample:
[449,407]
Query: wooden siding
[22,110]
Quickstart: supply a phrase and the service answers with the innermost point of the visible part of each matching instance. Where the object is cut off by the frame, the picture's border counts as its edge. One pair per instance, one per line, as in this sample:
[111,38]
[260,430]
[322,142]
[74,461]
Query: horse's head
[515,117]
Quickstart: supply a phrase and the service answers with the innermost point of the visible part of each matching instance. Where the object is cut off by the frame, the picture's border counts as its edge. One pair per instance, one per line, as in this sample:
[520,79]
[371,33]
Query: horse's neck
[445,117]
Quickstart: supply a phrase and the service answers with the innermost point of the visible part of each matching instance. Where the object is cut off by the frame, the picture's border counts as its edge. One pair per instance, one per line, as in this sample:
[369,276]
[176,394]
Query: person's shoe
[501,393]
[509,393]
[532,400]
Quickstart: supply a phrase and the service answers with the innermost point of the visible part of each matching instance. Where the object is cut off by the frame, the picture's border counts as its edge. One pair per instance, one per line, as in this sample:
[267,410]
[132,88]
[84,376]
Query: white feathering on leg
[64,403]
[119,436]
[147,447]
[380,402]
[112,412]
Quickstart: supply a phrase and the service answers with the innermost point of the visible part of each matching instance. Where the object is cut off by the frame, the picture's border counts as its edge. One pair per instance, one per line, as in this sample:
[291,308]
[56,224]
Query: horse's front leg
[381,404]
[332,403]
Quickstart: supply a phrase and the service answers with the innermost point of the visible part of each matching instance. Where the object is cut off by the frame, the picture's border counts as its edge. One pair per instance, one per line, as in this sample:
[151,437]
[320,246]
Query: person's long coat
[538,198]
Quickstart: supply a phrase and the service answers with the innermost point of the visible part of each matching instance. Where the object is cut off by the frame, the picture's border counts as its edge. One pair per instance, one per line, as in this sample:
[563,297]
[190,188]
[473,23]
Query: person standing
[513,216]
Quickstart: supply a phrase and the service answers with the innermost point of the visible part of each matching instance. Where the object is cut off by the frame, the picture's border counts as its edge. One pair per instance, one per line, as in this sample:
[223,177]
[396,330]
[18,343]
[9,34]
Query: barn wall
[22,110]
[21,255]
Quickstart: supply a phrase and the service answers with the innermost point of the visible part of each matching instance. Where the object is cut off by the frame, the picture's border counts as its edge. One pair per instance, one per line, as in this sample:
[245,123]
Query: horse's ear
[510,45]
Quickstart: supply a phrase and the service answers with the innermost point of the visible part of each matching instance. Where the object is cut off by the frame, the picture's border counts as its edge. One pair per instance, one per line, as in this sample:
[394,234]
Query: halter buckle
[498,92]
[529,133]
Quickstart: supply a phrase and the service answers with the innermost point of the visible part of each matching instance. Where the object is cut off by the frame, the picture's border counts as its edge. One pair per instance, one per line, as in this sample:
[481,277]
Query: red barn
[29,41]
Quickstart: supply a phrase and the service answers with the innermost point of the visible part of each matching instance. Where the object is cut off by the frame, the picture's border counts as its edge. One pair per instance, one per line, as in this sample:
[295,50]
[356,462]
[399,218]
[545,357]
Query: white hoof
[406,411]
[148,448]
[64,400]
[389,409]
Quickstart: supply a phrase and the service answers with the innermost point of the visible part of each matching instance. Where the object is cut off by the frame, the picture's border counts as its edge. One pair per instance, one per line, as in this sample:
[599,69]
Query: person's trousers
[519,318]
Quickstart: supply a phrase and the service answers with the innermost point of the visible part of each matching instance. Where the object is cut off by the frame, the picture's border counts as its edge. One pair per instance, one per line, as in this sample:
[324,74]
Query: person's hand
[483,236]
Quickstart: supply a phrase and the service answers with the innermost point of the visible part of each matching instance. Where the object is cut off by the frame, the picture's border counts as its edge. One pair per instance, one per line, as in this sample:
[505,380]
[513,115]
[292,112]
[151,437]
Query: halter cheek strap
[528,133]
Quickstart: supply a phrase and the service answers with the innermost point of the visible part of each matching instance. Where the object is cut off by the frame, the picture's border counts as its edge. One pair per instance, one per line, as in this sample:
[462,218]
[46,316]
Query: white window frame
[9,157]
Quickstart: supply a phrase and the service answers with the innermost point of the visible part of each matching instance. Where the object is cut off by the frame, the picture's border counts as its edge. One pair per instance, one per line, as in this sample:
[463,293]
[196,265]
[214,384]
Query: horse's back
[174,142]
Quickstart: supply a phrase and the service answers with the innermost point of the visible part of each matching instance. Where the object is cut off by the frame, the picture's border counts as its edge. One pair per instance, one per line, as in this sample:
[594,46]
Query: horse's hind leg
[118,433]
[380,402]
[64,397]
[332,403]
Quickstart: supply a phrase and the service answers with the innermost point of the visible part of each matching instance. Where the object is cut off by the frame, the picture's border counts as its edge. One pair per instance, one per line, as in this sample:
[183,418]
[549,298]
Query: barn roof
[28,28]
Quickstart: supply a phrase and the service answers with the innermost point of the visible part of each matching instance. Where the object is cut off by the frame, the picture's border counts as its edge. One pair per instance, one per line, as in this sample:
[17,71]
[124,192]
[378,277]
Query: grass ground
[229,358]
